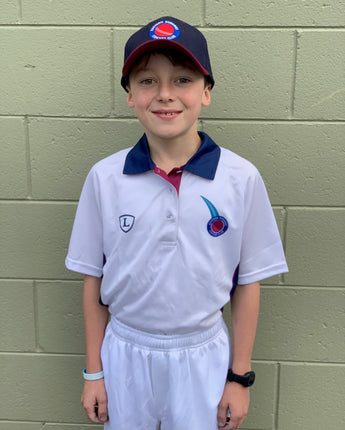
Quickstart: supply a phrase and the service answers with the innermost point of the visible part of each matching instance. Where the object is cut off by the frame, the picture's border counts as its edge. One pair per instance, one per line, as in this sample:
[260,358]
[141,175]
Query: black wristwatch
[247,380]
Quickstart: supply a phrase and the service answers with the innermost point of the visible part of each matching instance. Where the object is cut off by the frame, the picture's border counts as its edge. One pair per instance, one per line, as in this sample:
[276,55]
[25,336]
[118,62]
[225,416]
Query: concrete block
[279,214]
[301,163]
[60,317]
[120,36]
[253,72]
[269,13]
[17,319]
[20,425]
[13,171]
[72,427]
[110,13]
[63,151]
[301,324]
[320,79]
[43,388]
[58,71]
[262,395]
[312,397]
[9,12]
[315,247]
[36,237]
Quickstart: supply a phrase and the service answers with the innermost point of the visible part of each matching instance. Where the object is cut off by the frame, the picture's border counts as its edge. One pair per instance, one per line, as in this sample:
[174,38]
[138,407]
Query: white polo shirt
[170,261]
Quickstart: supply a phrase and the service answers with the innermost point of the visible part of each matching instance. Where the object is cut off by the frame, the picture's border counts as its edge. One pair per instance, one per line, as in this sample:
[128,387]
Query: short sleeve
[85,253]
[262,253]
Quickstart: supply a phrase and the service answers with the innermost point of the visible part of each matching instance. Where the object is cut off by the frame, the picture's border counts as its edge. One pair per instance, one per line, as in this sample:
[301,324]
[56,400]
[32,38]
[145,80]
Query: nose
[165,92]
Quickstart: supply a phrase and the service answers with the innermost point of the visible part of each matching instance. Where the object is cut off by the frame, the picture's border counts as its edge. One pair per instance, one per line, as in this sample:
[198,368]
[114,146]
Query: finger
[233,424]
[91,413]
[228,426]
[102,411]
[221,415]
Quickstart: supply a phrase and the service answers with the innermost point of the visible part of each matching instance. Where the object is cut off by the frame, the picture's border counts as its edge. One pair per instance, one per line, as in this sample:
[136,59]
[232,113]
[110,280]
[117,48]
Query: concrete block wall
[279,101]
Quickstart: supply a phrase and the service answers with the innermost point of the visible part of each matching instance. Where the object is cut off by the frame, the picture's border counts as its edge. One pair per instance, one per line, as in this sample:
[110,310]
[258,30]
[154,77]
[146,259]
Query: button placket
[171,215]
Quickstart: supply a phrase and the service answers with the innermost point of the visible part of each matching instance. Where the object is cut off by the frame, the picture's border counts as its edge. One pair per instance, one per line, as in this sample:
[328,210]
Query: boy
[164,232]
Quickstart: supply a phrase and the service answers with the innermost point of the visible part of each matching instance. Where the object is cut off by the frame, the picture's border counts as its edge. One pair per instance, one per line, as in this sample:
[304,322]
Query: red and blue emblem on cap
[164,30]
[217,225]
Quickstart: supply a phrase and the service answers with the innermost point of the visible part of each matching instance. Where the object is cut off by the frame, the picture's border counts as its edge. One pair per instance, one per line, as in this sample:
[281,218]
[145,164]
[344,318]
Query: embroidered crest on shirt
[217,225]
[126,222]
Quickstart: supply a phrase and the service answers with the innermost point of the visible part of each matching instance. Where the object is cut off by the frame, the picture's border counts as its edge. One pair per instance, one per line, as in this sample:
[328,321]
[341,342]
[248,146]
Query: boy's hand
[94,401]
[235,399]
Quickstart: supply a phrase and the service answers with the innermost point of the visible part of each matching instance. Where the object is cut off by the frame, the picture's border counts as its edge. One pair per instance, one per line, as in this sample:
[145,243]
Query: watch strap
[247,380]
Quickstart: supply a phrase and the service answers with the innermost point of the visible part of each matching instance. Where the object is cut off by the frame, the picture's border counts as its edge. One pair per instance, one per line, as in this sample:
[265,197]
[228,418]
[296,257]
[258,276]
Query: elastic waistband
[165,342]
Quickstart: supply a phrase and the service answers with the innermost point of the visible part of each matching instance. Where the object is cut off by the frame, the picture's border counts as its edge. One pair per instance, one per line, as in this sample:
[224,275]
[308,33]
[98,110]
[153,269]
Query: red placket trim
[174,177]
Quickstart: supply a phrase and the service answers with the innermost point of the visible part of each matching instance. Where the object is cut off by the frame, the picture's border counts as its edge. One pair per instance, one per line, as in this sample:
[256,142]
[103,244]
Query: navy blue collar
[203,163]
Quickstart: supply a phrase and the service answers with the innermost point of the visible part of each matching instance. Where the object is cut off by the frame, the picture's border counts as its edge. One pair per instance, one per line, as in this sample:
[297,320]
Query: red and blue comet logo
[217,225]
[164,30]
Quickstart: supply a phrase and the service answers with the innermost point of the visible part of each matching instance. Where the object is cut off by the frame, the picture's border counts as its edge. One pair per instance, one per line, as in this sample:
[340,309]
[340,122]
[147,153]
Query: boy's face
[167,98]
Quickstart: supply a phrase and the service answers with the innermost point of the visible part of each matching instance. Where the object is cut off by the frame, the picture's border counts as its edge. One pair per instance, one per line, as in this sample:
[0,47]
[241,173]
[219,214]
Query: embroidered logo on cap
[217,225]
[164,30]
[126,222]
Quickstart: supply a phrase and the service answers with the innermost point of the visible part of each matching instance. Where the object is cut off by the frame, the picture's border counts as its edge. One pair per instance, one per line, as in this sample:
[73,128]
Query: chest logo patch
[217,225]
[126,222]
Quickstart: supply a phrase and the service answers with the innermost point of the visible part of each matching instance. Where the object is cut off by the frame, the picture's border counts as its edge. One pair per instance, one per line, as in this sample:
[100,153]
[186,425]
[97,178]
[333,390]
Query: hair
[176,58]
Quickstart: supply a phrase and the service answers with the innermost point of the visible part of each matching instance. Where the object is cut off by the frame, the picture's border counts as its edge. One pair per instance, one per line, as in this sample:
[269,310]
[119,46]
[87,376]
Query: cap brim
[151,45]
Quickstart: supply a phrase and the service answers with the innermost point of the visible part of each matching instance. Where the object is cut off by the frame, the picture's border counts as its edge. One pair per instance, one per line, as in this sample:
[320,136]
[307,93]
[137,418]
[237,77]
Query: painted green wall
[279,101]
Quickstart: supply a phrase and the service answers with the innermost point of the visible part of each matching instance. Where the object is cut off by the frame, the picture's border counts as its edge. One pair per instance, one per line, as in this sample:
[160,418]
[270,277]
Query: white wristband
[93,376]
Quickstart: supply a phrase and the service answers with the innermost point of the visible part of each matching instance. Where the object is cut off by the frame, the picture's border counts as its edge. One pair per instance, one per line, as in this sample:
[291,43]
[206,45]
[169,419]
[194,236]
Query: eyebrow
[178,67]
[141,69]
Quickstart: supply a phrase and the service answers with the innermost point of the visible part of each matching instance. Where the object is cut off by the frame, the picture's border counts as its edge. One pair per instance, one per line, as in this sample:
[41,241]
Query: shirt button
[170,216]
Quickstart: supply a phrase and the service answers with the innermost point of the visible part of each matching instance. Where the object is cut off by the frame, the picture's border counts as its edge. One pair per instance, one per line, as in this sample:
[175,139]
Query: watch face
[251,378]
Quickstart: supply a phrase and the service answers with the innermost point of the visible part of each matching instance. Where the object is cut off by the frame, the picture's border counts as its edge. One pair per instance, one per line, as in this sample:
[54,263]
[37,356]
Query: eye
[147,81]
[183,80]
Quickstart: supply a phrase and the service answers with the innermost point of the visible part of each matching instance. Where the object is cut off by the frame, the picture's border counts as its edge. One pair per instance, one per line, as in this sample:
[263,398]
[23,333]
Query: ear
[206,97]
[130,100]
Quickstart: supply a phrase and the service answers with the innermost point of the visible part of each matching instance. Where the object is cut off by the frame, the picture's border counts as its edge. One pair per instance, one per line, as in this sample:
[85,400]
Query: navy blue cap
[168,33]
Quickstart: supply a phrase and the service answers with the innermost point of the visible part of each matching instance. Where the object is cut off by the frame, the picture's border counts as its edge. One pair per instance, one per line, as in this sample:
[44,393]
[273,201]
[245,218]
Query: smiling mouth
[166,113]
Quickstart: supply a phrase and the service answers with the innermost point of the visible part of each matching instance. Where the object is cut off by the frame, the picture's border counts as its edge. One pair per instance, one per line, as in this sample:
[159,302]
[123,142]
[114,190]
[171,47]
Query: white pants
[164,382]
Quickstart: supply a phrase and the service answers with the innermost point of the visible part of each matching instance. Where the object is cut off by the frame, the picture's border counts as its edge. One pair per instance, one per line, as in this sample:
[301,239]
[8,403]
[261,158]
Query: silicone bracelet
[93,376]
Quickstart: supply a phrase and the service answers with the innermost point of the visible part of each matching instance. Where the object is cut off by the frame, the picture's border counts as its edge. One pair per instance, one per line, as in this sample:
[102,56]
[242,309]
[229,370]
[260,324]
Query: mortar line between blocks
[253,28]
[37,348]
[277,398]
[203,12]
[20,11]
[28,158]
[254,120]
[112,72]
[294,74]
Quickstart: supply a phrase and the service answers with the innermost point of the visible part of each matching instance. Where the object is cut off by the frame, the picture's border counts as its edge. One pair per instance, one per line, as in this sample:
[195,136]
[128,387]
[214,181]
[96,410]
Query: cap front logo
[164,30]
